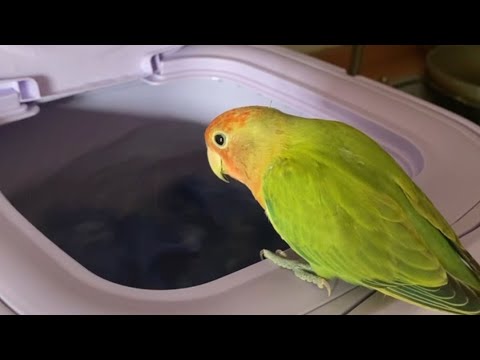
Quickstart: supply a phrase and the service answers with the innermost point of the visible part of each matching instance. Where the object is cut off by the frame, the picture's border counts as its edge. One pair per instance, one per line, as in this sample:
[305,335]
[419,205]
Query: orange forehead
[229,120]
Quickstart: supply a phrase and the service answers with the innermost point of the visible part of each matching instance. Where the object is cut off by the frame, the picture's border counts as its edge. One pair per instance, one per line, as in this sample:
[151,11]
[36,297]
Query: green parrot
[345,206]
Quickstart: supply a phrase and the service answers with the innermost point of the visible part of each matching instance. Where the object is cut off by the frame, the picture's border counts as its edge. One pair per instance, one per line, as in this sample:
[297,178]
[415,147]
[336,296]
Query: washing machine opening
[118,179]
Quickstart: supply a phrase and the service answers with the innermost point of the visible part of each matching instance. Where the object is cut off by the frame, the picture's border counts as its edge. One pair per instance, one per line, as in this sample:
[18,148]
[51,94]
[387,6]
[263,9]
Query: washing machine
[108,205]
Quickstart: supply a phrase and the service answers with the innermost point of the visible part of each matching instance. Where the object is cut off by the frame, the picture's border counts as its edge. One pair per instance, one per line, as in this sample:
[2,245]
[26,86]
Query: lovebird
[345,206]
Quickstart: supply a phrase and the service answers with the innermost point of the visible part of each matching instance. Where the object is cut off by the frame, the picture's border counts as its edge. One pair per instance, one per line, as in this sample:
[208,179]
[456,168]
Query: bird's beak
[215,162]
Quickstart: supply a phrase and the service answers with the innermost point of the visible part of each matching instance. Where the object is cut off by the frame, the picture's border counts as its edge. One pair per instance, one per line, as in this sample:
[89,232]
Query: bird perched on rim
[345,206]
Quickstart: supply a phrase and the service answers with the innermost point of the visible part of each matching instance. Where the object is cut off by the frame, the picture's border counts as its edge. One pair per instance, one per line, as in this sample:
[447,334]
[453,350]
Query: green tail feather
[454,297]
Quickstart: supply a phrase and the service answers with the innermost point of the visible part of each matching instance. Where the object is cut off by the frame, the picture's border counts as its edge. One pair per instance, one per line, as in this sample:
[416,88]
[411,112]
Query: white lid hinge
[17,97]
[157,64]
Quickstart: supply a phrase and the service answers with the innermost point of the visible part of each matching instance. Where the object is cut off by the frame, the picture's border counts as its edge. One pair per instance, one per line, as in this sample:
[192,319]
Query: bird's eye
[220,139]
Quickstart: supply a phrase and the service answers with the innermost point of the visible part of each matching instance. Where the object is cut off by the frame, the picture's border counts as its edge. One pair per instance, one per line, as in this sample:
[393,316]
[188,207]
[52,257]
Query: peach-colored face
[239,145]
[220,141]
[225,123]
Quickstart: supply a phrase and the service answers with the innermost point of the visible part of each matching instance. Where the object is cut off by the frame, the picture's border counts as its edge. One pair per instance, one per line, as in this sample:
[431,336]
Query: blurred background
[446,75]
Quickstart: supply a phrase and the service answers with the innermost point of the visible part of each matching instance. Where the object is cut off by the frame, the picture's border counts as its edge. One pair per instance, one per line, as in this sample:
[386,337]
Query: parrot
[345,206]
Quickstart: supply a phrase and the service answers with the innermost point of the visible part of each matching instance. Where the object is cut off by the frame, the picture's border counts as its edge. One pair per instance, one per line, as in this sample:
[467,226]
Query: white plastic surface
[5,310]
[344,304]
[196,84]
[61,70]
[26,89]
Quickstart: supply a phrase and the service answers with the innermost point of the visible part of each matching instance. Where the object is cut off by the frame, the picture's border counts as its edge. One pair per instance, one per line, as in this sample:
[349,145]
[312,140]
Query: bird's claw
[262,256]
[322,283]
[278,252]
[281,253]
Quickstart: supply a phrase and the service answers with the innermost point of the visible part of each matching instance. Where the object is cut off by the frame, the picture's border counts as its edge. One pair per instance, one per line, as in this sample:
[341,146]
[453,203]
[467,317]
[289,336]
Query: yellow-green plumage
[346,207]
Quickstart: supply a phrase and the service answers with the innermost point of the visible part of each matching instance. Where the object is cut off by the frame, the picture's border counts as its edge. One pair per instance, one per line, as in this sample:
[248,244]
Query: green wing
[377,233]
[424,207]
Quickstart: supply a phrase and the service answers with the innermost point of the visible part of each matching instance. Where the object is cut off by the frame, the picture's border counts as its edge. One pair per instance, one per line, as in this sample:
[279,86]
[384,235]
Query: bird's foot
[301,270]
[280,259]
[313,278]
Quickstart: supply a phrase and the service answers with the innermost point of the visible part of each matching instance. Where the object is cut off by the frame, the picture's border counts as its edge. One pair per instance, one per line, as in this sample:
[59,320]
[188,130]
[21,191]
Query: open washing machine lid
[39,73]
